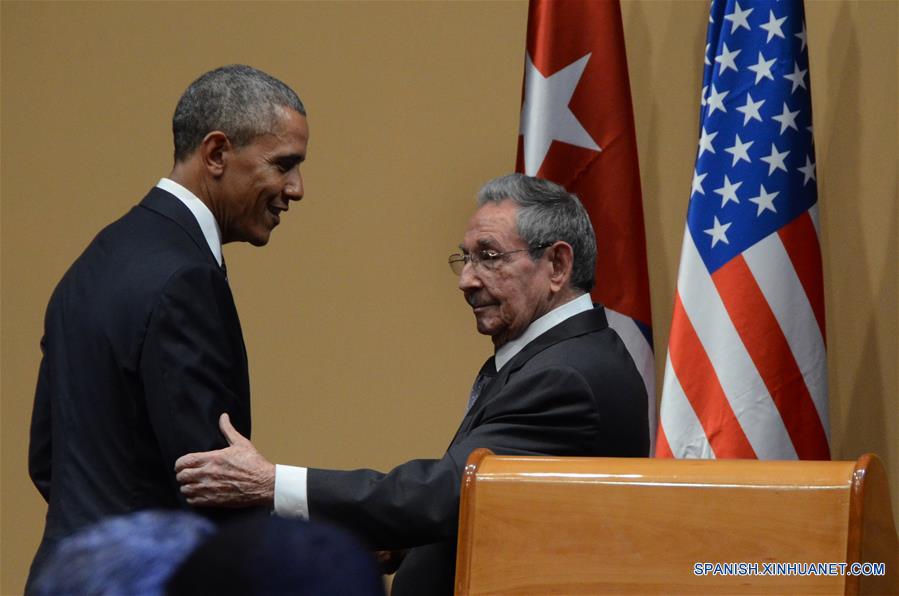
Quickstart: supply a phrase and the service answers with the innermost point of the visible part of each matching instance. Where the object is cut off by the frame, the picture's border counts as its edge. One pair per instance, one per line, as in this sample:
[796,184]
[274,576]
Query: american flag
[577,129]
[746,373]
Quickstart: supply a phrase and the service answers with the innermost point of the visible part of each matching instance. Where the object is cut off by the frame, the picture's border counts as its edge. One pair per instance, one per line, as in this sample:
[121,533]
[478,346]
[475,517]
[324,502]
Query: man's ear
[561,258]
[212,152]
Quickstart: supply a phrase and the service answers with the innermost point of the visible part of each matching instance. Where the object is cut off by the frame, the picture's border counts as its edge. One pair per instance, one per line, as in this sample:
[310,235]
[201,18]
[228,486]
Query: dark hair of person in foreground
[131,554]
[268,555]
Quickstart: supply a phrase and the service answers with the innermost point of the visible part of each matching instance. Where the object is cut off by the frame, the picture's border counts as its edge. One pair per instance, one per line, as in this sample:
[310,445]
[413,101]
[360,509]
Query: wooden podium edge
[466,525]
[872,531]
[871,536]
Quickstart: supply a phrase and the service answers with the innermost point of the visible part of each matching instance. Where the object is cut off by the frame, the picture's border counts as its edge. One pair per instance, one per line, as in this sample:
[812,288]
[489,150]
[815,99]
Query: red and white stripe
[746,371]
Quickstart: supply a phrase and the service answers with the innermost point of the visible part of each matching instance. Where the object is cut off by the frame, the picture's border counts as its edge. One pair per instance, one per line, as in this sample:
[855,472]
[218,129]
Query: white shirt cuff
[290,492]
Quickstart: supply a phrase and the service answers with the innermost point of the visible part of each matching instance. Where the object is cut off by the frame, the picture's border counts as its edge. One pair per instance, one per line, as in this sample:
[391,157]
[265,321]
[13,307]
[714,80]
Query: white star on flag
[775,160]
[797,77]
[787,119]
[738,18]
[545,115]
[762,68]
[751,109]
[803,36]
[728,192]
[727,59]
[808,170]
[697,182]
[718,232]
[773,26]
[705,142]
[740,150]
[715,100]
[765,200]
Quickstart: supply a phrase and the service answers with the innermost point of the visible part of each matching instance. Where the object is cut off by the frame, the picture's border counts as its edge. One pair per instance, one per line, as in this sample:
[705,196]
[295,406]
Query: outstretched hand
[237,476]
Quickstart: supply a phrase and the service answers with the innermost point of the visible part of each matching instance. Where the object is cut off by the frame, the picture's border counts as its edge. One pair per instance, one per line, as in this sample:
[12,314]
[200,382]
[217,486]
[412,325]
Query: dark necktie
[487,372]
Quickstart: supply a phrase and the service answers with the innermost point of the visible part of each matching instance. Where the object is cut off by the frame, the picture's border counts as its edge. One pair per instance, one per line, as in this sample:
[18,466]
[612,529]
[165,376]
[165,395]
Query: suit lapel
[586,322]
[580,324]
[170,207]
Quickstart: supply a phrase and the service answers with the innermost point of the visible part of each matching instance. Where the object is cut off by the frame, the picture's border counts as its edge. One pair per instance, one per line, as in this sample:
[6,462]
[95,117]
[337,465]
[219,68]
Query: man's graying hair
[238,100]
[548,213]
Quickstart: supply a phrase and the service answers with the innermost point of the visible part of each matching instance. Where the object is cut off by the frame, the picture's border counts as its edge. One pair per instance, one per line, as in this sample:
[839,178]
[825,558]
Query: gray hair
[238,100]
[548,213]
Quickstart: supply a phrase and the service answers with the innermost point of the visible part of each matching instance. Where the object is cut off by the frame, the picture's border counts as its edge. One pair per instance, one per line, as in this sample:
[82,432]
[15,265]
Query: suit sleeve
[40,444]
[193,365]
[549,411]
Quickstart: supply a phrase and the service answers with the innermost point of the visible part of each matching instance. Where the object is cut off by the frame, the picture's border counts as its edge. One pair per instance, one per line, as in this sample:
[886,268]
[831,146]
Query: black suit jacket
[573,391]
[142,351]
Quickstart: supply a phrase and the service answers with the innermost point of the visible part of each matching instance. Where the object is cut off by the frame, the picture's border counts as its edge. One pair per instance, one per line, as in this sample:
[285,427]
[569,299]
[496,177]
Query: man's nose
[293,190]
[469,278]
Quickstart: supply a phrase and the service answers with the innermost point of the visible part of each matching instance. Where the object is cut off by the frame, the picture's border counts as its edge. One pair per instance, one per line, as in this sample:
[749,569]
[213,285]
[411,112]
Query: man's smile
[276,213]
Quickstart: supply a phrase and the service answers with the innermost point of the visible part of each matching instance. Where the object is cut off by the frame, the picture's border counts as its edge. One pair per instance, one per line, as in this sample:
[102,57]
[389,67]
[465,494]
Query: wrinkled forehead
[493,225]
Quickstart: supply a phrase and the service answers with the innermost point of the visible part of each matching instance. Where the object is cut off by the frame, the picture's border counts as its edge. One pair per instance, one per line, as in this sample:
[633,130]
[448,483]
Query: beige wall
[361,349]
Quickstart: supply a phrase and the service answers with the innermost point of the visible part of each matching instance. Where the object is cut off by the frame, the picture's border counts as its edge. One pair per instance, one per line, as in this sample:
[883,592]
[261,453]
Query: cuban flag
[577,129]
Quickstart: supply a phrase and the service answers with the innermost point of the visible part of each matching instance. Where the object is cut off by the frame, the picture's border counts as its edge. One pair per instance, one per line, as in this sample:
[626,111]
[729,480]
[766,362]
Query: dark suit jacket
[573,391]
[142,351]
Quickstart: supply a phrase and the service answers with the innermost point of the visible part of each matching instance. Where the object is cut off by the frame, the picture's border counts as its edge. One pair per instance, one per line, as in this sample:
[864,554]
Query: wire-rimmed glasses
[487,259]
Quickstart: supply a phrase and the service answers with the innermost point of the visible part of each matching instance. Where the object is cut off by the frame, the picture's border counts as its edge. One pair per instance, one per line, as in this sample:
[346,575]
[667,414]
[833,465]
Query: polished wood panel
[538,525]
[872,532]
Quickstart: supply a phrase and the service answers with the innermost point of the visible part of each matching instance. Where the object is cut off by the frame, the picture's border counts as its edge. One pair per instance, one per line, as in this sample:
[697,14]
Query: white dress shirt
[201,212]
[290,481]
[510,349]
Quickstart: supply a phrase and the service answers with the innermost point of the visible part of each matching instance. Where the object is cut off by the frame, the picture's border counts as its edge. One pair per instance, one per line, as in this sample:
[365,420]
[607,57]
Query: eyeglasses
[487,259]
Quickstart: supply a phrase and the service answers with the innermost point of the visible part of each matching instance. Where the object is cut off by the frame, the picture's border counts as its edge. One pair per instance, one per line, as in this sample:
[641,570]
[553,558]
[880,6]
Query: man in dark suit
[142,346]
[560,383]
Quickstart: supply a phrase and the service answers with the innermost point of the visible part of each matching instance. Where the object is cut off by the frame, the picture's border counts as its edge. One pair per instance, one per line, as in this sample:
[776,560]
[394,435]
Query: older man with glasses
[560,383]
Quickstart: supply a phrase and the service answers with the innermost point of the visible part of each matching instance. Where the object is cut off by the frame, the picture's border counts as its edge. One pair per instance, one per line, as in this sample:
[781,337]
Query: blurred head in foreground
[130,554]
[271,555]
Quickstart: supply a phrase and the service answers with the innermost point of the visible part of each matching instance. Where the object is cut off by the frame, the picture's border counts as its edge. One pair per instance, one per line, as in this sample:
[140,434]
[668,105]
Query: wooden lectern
[545,525]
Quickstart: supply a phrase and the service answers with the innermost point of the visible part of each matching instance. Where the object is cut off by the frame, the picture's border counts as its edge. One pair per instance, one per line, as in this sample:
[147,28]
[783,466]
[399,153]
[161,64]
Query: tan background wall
[361,349]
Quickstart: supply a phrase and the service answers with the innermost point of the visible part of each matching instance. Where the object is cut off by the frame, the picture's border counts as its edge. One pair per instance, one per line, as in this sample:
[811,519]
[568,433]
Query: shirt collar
[201,212]
[541,326]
